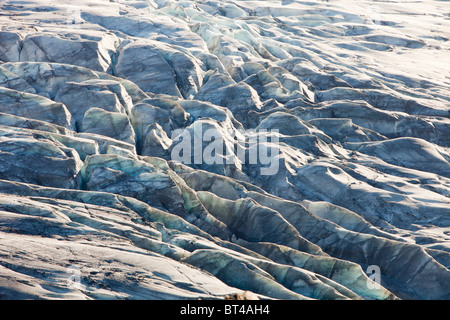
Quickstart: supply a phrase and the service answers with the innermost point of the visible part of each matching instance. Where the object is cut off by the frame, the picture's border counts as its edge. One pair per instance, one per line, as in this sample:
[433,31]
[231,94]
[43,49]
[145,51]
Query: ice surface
[95,98]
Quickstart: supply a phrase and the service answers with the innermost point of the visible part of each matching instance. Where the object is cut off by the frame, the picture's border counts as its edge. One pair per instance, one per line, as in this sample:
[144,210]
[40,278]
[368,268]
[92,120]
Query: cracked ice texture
[93,94]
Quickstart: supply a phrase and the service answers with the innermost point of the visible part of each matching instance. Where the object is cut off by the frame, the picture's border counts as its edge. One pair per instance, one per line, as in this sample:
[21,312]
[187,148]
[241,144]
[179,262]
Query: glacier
[203,149]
